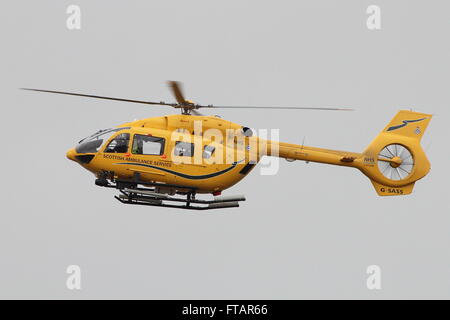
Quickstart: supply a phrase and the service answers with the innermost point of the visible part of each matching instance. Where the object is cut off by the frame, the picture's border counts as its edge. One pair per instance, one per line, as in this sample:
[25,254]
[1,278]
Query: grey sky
[308,232]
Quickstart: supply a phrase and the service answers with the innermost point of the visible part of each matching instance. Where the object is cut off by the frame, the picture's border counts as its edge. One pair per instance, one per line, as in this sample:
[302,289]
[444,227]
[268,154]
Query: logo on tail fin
[405,123]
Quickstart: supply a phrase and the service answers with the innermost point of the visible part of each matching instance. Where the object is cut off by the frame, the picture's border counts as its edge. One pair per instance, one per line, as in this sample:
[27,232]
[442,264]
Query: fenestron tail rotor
[395,162]
[186,105]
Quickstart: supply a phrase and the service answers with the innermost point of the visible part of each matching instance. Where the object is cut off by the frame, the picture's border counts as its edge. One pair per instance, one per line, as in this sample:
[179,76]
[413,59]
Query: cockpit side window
[147,145]
[119,144]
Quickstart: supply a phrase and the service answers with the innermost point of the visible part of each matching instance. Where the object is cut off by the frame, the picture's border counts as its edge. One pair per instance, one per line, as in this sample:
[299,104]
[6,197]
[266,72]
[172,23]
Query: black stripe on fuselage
[183,175]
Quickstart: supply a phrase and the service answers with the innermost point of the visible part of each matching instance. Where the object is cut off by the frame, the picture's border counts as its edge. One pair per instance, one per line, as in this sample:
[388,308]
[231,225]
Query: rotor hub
[396,162]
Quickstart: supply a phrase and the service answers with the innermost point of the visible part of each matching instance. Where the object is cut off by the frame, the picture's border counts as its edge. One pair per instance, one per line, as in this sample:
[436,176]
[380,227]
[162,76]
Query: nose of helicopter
[71,154]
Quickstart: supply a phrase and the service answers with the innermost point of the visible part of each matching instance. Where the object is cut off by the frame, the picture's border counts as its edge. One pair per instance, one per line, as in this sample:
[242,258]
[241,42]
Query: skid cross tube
[130,193]
[148,197]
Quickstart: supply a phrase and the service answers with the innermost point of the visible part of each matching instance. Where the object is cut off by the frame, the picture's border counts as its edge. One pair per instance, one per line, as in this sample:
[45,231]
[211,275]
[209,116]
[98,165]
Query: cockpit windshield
[93,143]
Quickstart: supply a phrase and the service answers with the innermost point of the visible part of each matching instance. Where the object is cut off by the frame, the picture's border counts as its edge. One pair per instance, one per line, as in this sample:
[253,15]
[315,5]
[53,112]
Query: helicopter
[169,161]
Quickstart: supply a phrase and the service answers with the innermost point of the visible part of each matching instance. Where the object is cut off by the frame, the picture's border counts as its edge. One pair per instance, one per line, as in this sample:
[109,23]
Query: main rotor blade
[176,90]
[162,103]
[182,103]
[256,107]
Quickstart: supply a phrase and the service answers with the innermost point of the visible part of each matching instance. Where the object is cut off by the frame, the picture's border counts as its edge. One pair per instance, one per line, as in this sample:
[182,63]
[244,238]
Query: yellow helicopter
[167,161]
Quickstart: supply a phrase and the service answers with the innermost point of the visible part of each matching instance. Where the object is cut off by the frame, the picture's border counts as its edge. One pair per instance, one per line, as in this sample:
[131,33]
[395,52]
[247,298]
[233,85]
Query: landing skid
[131,194]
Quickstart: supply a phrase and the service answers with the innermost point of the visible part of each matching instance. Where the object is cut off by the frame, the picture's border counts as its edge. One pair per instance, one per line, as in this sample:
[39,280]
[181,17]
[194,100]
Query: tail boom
[393,161]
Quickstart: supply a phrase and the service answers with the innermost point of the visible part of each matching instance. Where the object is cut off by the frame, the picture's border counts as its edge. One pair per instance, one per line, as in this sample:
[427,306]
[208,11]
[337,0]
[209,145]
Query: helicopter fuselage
[193,151]
[208,154]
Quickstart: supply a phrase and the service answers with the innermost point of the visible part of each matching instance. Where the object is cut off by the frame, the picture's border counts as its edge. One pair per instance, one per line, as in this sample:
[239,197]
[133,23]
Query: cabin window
[119,144]
[184,149]
[148,145]
[208,151]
